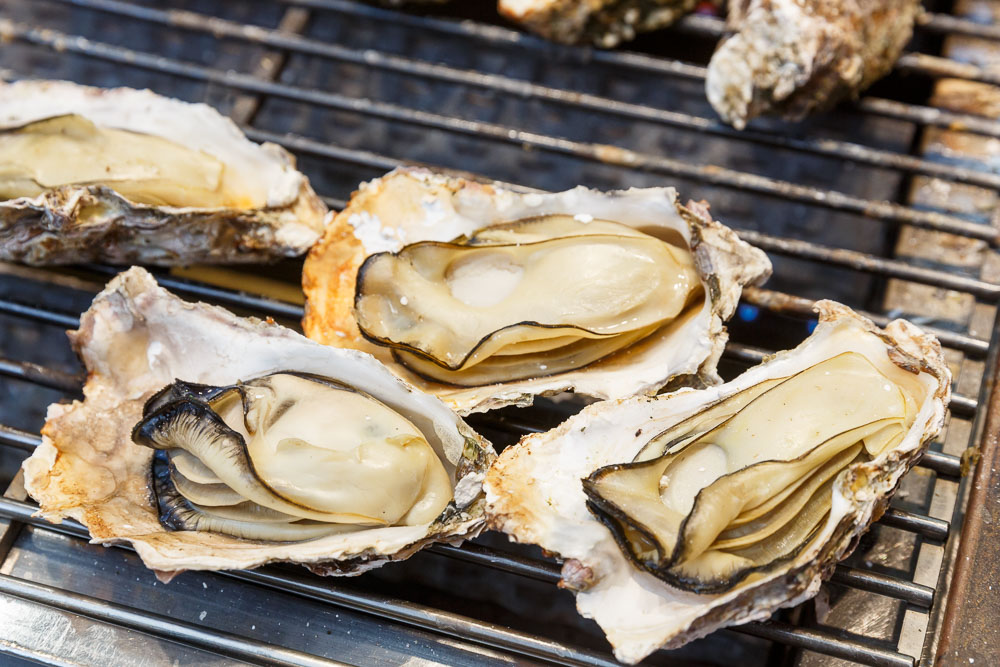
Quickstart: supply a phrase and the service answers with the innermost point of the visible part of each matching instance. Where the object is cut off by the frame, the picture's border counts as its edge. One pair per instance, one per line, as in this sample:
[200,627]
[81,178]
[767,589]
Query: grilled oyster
[683,513]
[248,472]
[606,23]
[487,297]
[125,175]
[794,57]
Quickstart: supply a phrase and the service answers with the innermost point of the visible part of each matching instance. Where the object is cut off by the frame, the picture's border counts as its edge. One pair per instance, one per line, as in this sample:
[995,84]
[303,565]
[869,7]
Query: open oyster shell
[210,194]
[137,339]
[414,205]
[535,491]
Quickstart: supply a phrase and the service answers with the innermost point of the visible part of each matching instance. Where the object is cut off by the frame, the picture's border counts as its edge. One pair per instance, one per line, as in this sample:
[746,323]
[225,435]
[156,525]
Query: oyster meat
[682,513]
[123,175]
[487,297]
[794,57]
[605,23]
[208,441]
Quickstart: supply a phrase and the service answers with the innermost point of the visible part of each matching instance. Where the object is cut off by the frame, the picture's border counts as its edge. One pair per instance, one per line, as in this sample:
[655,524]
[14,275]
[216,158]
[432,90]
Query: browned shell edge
[73,224]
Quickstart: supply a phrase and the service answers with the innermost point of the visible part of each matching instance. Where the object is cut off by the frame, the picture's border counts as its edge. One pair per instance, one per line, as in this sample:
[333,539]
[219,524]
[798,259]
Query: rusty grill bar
[267,83]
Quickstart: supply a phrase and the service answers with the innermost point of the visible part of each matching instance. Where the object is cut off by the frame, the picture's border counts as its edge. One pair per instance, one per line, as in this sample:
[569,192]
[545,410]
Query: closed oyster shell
[138,338]
[411,205]
[88,222]
[535,492]
[795,57]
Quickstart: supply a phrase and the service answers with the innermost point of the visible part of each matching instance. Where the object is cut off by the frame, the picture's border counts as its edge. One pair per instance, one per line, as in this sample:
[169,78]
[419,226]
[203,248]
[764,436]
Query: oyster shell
[794,57]
[659,561]
[449,244]
[606,23]
[79,183]
[137,339]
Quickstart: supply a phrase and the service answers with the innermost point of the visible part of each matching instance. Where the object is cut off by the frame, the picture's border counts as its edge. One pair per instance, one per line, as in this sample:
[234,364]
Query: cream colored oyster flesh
[682,513]
[209,441]
[488,297]
[124,175]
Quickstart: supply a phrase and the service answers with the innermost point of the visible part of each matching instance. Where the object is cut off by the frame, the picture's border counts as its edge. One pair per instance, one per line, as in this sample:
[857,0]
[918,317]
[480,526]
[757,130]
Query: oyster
[606,23]
[487,297]
[123,175]
[794,57]
[690,511]
[237,464]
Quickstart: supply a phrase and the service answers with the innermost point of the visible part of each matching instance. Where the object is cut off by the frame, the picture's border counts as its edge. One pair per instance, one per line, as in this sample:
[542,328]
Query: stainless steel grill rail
[928,536]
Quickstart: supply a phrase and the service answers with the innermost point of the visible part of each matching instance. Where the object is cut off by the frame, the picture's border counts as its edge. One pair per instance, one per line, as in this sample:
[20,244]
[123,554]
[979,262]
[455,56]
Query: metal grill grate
[355,90]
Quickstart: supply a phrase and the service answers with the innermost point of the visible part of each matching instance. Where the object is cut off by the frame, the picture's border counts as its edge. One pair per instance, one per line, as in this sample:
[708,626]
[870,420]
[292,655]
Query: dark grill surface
[844,204]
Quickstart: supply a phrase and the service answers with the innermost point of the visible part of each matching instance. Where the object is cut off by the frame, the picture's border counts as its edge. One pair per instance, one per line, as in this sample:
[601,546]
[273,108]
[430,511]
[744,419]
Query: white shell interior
[535,494]
[450,208]
[265,169]
[137,338]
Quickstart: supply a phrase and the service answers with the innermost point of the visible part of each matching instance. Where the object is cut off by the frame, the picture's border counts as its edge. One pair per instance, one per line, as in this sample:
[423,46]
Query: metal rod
[480,555]
[38,314]
[929,527]
[929,116]
[859,261]
[945,23]
[427,618]
[13,437]
[468,628]
[637,61]
[711,26]
[280,38]
[222,643]
[816,640]
[601,153]
[936,66]
[873,582]
[260,304]
[945,465]
[40,375]
[789,304]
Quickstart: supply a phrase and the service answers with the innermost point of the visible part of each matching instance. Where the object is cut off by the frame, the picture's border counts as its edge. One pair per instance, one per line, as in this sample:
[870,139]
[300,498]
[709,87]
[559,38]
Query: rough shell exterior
[137,338]
[411,205]
[81,223]
[605,23]
[534,493]
[794,57]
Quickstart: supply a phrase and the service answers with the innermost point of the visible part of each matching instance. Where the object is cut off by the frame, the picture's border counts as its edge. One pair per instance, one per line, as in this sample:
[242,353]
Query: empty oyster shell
[683,513]
[487,297]
[606,23]
[240,456]
[123,175]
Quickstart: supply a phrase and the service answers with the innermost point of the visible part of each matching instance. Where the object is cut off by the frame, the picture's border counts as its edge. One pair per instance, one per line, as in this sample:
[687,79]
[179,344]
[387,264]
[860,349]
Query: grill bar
[13,437]
[712,26]
[411,67]
[71,383]
[815,640]
[780,302]
[46,377]
[287,581]
[870,209]
[860,261]
[929,527]
[502,36]
[222,643]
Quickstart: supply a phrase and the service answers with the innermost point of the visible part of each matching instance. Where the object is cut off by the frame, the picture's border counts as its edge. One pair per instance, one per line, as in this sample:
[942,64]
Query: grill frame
[262,84]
